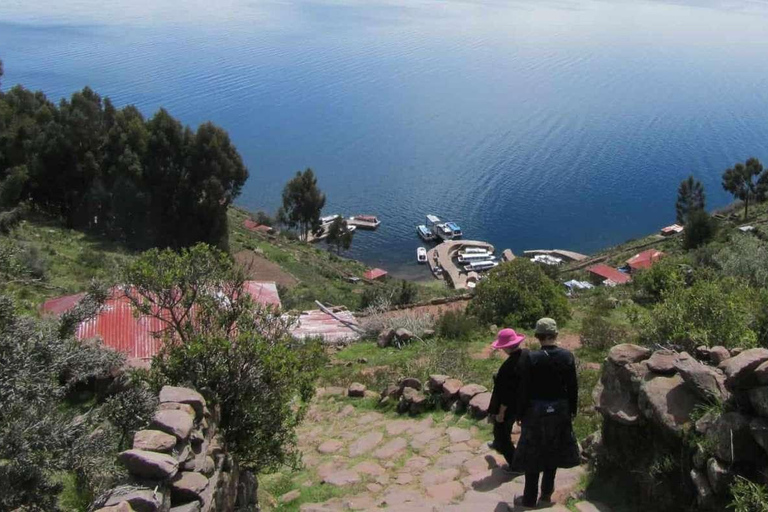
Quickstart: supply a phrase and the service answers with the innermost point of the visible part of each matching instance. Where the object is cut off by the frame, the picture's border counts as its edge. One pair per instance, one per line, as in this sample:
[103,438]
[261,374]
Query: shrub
[748,496]
[651,284]
[386,295]
[517,294]
[710,312]
[456,325]
[598,332]
[745,257]
[700,229]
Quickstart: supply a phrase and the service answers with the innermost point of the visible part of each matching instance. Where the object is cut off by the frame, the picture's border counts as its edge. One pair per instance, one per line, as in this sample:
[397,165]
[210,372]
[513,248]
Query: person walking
[503,406]
[547,403]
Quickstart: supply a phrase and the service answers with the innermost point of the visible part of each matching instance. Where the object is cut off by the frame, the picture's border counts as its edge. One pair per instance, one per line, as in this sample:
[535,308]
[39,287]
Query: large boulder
[149,465]
[418,403]
[183,396]
[704,495]
[663,362]
[410,382]
[154,441]
[718,354]
[731,439]
[451,388]
[739,370]
[404,335]
[479,405]
[435,383]
[140,499]
[177,423]
[356,390]
[758,397]
[761,373]
[719,476]
[707,382]
[616,403]
[759,429]
[667,402]
[188,486]
[385,338]
[627,353]
[468,391]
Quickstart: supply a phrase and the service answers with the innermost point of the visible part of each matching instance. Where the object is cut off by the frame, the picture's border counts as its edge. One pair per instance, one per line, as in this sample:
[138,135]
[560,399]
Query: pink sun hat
[508,338]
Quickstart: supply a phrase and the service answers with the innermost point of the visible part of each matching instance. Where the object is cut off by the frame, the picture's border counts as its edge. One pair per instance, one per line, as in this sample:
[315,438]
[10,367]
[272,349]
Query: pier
[442,256]
[558,253]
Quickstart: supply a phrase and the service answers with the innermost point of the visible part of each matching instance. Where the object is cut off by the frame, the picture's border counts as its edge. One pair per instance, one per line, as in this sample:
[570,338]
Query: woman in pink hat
[503,404]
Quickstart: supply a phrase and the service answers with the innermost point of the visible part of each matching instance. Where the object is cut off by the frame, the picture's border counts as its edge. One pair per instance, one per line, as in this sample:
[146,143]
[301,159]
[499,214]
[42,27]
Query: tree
[699,230]
[239,355]
[746,181]
[339,235]
[690,197]
[302,203]
[518,293]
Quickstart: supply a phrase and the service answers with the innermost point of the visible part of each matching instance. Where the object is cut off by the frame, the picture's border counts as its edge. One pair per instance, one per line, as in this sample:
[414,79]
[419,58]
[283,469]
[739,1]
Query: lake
[532,124]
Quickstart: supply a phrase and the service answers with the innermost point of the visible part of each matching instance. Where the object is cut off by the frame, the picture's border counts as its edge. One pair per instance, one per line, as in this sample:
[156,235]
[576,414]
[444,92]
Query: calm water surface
[533,124]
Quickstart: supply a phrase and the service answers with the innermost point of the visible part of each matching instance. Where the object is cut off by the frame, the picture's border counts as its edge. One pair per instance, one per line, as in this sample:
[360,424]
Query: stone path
[438,462]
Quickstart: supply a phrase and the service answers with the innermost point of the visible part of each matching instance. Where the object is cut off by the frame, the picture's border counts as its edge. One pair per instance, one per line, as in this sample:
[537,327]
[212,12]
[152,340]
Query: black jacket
[505,385]
[548,375]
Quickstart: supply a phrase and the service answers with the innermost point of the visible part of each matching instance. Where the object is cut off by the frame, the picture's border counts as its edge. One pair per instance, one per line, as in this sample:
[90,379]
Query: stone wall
[705,414]
[180,463]
[441,390]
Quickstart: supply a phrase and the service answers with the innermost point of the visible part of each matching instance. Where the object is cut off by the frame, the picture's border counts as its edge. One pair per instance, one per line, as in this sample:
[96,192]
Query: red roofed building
[251,225]
[375,274]
[644,259]
[138,337]
[604,272]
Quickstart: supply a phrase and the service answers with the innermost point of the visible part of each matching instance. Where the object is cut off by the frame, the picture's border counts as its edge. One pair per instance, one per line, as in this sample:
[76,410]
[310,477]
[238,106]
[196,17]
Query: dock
[442,255]
[558,253]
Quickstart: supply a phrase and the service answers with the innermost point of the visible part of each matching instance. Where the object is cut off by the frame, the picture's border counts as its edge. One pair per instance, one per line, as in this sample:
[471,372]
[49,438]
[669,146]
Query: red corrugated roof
[255,226]
[138,336]
[645,259]
[611,273]
[375,273]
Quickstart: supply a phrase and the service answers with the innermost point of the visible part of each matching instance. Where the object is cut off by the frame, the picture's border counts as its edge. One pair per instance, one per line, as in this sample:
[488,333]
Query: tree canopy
[145,182]
[339,235]
[747,181]
[302,203]
[690,197]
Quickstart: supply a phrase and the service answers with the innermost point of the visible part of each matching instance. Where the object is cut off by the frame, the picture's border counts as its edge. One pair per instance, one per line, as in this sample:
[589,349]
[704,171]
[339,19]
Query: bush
[710,312]
[456,325]
[517,294]
[745,257]
[748,496]
[651,284]
[598,332]
[699,230]
[385,296]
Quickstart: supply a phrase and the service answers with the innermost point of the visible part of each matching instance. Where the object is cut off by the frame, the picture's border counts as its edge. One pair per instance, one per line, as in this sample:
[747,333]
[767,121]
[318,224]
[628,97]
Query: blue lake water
[533,124]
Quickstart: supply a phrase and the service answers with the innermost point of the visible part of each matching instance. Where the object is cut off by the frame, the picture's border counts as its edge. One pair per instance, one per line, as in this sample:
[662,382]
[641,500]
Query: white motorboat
[421,255]
[425,233]
[479,266]
[469,258]
[329,218]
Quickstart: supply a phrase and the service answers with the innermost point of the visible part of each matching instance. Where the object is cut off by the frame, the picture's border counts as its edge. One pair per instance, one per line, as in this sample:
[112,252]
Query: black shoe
[520,502]
[546,499]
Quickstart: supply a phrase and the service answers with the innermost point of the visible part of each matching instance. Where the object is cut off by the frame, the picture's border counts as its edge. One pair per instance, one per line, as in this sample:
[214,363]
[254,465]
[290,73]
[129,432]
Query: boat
[473,250]
[425,233]
[469,258]
[364,221]
[442,231]
[477,266]
[432,221]
[421,255]
[455,230]
[329,218]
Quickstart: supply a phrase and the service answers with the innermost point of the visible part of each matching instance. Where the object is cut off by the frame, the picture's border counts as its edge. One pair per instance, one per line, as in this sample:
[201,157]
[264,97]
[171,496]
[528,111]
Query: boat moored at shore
[364,221]
[421,255]
[425,233]
[479,266]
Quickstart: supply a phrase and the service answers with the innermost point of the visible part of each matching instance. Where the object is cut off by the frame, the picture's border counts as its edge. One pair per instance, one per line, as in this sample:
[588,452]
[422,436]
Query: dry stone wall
[707,413]
[179,463]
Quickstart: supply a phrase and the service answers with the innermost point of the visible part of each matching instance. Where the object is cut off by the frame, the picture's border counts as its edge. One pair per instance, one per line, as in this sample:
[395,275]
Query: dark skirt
[547,440]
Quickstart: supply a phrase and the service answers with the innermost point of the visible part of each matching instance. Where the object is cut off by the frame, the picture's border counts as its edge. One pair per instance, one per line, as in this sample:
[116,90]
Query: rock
[188,486]
[192,506]
[392,448]
[342,478]
[707,382]
[759,429]
[418,403]
[758,397]
[208,467]
[410,382]
[403,335]
[369,468]
[479,405]
[153,441]
[739,370]
[615,400]
[761,373]
[451,388]
[445,493]
[150,465]
[668,402]
[175,406]
[704,423]
[177,423]
[290,496]
[183,396]
[731,439]
[458,435]
[356,390]
[627,353]
[663,362]
[437,477]
[385,338]
[409,394]
[362,360]
[719,476]
[365,443]
[123,506]
[140,500]
[468,391]
[699,458]
[703,353]
[435,383]
[718,354]
[330,446]
[591,445]
[704,495]
[391,391]
[736,351]
[428,333]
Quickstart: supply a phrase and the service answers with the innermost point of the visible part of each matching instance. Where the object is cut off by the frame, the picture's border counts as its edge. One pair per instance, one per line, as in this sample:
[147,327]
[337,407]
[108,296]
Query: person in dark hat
[503,406]
[547,404]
